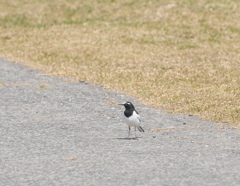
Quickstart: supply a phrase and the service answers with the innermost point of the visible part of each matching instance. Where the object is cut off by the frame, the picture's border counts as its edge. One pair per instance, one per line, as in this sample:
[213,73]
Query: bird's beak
[121,104]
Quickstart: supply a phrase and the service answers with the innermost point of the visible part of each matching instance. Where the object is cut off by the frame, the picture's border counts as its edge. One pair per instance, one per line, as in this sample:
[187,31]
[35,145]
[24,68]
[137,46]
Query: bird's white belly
[132,120]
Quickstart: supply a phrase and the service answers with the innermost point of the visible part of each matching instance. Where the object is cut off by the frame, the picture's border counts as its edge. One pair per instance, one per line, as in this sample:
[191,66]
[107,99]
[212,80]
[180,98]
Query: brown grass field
[178,55]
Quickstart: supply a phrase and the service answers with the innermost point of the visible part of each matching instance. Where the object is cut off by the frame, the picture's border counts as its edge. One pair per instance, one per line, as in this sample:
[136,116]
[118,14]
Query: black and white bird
[131,117]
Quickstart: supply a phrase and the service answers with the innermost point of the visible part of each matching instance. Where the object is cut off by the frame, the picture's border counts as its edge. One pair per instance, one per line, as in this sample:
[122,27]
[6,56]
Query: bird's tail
[140,128]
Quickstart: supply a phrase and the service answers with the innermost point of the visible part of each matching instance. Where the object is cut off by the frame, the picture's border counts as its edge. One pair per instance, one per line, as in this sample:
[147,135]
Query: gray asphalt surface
[57,132]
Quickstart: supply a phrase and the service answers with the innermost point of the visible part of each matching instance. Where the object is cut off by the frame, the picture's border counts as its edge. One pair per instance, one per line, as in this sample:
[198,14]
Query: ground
[56,131]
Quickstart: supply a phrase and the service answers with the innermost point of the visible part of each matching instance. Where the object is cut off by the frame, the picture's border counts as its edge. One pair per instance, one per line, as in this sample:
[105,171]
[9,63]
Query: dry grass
[183,56]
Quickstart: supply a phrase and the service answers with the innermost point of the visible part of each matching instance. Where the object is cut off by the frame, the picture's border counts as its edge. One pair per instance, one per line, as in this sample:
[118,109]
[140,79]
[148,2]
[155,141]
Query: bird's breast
[133,119]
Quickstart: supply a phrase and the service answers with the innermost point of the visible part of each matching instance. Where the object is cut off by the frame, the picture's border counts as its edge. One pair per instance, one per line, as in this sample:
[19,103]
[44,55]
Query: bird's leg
[135,132]
[129,132]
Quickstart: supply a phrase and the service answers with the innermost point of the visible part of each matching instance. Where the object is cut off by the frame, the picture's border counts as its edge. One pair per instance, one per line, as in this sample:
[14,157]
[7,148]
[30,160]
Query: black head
[128,105]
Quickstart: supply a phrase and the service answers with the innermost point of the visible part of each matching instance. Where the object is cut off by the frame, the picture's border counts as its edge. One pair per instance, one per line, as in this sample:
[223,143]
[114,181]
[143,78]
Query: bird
[131,117]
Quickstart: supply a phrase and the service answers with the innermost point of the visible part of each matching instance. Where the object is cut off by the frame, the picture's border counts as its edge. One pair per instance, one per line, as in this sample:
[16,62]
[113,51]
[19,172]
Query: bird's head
[128,105]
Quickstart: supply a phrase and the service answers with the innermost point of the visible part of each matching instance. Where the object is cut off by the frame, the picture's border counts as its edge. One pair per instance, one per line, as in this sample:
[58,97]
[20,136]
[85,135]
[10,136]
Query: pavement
[56,131]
